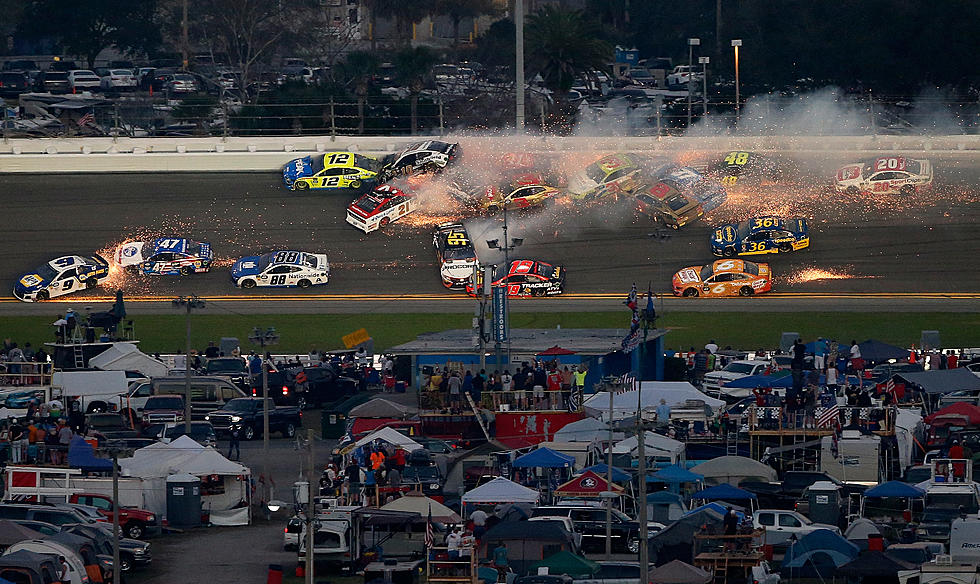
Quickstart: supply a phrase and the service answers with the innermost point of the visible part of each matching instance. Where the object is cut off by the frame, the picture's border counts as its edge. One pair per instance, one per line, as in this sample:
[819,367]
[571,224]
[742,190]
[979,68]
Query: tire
[248,284]
[538,292]
[186,271]
[289,431]
[692,293]
[633,546]
[384,222]
[304,283]
[42,296]
[91,283]
[248,433]
[784,248]
[907,191]
[125,563]
[355,184]
[729,252]
[745,291]
[301,185]
[134,530]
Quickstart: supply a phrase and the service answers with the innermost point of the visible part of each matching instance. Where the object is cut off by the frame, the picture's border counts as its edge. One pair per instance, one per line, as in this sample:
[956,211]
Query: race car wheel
[538,292]
[745,291]
[248,283]
[91,283]
[355,184]
[186,271]
[785,247]
[301,185]
[42,296]
[384,222]
[729,252]
[691,292]
[304,284]
[907,190]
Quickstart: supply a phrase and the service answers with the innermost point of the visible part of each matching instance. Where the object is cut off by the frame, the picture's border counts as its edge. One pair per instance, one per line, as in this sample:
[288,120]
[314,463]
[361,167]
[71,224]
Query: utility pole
[641,451]
[691,43]
[190,303]
[116,510]
[184,44]
[269,337]
[704,78]
[310,510]
[519,77]
[609,467]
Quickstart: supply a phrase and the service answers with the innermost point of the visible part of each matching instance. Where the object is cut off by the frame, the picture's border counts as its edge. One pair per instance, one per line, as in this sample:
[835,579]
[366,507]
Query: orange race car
[723,278]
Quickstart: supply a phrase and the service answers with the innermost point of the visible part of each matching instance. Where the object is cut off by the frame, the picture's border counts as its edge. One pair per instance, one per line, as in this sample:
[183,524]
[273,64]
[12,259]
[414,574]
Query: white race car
[284,268]
[375,210]
[61,276]
[886,175]
[456,255]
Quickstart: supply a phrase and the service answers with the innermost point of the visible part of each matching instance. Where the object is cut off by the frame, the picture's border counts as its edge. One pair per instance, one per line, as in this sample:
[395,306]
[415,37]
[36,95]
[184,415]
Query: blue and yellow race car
[61,276]
[760,235]
[333,170]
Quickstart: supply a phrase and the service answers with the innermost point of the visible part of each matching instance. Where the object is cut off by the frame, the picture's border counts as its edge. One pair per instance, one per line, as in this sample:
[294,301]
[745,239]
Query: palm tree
[563,44]
[358,68]
[413,66]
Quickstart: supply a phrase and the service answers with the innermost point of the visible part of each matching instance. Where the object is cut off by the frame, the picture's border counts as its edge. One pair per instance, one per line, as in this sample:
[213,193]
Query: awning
[943,380]
[674,474]
[588,484]
[544,457]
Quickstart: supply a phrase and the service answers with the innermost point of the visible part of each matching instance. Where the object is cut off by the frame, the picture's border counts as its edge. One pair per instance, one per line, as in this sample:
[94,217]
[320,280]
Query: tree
[357,70]
[413,66]
[561,45]
[457,10]
[86,28]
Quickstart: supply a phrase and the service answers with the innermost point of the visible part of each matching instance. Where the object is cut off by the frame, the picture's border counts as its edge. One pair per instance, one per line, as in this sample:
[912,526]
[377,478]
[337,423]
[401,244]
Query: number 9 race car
[61,276]
[165,257]
[723,278]
[760,235]
[528,278]
[281,269]
[333,170]
[885,175]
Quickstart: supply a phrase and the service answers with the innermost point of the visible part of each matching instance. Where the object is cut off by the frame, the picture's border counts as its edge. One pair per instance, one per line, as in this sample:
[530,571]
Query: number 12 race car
[380,207]
[886,175]
[165,257]
[723,278]
[333,170]
[529,278]
[61,276]
[281,269]
[760,235]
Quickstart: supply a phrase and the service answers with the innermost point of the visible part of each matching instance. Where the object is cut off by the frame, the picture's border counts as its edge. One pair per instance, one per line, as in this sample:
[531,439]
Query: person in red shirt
[554,387]
[400,459]
[956,454]
[951,360]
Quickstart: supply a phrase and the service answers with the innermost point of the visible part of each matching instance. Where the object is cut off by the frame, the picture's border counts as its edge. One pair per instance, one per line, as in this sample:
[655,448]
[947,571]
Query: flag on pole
[631,298]
[86,120]
[428,529]
[829,416]
[628,381]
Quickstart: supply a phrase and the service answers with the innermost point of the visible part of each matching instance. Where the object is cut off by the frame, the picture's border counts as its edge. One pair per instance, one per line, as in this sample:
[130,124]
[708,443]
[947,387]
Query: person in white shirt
[712,347]
[452,543]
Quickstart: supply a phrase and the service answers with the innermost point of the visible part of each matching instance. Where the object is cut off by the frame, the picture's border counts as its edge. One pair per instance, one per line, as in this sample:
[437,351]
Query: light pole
[519,73]
[736,43]
[263,339]
[190,303]
[508,246]
[691,43]
[704,78]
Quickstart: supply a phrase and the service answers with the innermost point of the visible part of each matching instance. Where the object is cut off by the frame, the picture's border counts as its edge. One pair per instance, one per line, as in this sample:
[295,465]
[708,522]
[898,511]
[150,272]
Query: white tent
[676,393]
[657,445]
[379,407]
[222,499]
[733,470]
[391,436]
[500,490]
[584,430]
[415,502]
[125,356]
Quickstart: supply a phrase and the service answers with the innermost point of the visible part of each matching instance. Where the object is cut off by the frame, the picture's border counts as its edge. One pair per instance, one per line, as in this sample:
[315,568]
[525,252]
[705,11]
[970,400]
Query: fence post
[542,117]
[224,112]
[871,112]
[333,122]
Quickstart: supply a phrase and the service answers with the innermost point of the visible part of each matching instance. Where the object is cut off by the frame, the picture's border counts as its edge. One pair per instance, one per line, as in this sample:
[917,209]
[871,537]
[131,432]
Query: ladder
[476,414]
[731,444]
[79,357]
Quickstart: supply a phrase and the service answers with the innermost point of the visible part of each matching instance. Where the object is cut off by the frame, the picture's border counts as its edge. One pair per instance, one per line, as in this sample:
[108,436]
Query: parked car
[290,533]
[201,432]
[424,478]
[781,525]
[52,82]
[615,573]
[160,409]
[714,381]
[591,523]
[234,368]
[182,83]
[83,79]
[118,80]
[13,84]
[111,425]
[246,414]
[135,523]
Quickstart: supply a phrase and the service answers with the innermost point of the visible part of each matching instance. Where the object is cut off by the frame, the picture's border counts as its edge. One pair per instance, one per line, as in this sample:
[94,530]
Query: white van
[76,568]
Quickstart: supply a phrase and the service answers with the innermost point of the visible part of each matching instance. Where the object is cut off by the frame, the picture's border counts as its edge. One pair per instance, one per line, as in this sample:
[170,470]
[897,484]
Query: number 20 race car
[886,175]
[61,276]
[165,257]
[723,278]
[281,269]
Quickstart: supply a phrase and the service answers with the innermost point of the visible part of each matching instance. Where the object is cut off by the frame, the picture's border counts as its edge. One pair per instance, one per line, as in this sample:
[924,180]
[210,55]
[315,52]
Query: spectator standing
[796,365]
[951,360]
[712,347]
[663,413]
[479,382]
[15,435]
[700,366]
[234,443]
[857,363]
[64,439]
[455,387]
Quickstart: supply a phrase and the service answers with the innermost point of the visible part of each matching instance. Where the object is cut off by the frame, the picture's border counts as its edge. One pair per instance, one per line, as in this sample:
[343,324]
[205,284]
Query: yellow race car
[522,191]
[333,170]
[616,174]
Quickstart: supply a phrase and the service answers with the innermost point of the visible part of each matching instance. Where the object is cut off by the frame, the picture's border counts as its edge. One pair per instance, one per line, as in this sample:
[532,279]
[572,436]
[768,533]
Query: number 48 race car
[61,276]
[281,269]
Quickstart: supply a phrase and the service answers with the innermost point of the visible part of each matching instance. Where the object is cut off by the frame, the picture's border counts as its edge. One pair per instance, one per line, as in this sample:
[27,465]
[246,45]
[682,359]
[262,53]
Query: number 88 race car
[723,278]
[281,269]
[61,276]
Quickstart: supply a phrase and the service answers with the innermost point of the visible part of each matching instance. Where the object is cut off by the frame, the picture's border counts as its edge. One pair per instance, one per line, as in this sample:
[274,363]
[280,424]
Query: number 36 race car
[165,257]
[61,276]
[281,269]
[760,235]
[886,175]
[723,278]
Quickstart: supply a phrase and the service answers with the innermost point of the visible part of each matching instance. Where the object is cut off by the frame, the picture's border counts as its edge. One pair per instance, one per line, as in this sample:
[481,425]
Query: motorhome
[856,458]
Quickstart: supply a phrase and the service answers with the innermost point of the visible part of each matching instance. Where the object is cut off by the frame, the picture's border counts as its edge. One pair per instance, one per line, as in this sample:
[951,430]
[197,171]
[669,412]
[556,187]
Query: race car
[61,276]
[522,191]
[420,157]
[885,175]
[611,175]
[456,255]
[333,170]
[380,207]
[668,205]
[281,269]
[528,278]
[760,235]
[167,256]
[741,167]
[723,278]
[710,192]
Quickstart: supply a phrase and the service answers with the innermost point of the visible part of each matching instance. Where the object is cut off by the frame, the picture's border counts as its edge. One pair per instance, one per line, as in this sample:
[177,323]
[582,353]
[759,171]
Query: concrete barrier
[103,155]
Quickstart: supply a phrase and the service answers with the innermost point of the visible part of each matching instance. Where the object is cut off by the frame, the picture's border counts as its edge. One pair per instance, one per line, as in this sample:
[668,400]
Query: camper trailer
[856,458]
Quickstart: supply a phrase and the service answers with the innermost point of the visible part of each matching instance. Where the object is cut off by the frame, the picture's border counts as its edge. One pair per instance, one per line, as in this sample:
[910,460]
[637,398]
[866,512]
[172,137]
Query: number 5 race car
[333,170]
[886,175]
[61,276]
[529,278]
[281,269]
[380,207]
[165,257]
[760,235]
[723,278]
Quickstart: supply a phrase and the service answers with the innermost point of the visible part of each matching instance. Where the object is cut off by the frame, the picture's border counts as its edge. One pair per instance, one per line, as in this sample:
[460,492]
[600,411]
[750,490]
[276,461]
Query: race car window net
[751,268]
[459,253]
[46,272]
[316,163]
[677,202]
[546,270]
[706,272]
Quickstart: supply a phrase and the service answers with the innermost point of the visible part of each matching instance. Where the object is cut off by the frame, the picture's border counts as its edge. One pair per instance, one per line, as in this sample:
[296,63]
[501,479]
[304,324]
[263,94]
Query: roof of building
[581,341]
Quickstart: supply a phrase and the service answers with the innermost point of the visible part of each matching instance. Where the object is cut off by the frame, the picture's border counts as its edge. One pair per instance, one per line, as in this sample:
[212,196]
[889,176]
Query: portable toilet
[825,503]
[183,500]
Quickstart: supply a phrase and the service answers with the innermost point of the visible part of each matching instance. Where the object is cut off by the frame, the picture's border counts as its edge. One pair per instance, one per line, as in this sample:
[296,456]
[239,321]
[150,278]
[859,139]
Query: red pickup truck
[134,523]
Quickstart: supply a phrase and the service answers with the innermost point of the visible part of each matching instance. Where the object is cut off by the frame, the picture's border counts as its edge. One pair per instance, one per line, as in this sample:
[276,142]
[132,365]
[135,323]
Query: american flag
[629,382]
[829,417]
[429,538]
[86,119]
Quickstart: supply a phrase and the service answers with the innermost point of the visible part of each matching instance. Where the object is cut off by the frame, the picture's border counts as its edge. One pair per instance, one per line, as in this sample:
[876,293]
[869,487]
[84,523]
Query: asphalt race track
[882,251]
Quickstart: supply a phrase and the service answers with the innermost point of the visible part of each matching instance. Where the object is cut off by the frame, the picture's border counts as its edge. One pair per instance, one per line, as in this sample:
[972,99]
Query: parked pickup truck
[781,525]
[134,523]
[784,494]
[246,414]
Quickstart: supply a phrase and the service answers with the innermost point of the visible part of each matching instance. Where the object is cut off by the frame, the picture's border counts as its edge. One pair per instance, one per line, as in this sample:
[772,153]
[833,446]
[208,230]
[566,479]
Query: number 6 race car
[333,170]
[61,276]
[529,278]
[886,175]
[760,235]
[281,269]
[165,257]
[723,278]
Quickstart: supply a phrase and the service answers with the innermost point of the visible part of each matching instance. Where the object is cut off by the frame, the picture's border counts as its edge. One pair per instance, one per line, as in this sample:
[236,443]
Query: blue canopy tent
[618,475]
[674,476]
[544,457]
[818,555]
[878,352]
[82,456]
[719,508]
[884,511]
[895,489]
[665,507]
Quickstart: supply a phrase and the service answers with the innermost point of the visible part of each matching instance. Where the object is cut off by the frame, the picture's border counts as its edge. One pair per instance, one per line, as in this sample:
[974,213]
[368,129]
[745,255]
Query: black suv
[591,523]
[323,384]
[424,478]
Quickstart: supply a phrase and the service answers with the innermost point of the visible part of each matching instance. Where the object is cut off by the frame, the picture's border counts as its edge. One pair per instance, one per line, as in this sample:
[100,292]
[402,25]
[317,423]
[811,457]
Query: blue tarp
[674,474]
[894,489]
[814,564]
[82,456]
[877,351]
[618,475]
[544,458]
[723,492]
